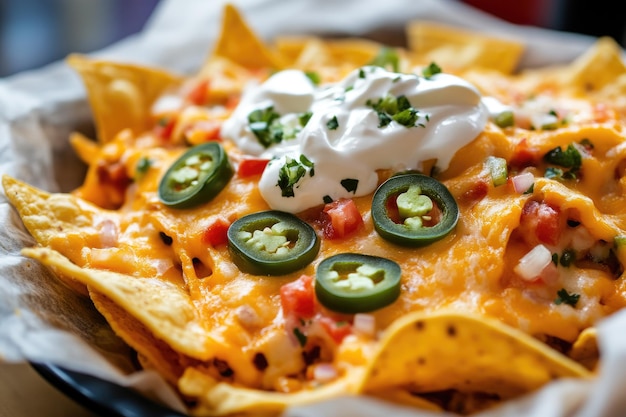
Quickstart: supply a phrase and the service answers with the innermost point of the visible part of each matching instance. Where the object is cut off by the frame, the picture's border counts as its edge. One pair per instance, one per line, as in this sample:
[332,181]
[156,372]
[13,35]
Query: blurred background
[36,32]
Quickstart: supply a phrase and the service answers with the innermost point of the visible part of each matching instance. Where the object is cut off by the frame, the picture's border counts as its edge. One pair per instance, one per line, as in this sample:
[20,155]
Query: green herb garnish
[565,297]
[387,58]
[333,123]
[431,70]
[264,124]
[350,184]
[300,336]
[289,175]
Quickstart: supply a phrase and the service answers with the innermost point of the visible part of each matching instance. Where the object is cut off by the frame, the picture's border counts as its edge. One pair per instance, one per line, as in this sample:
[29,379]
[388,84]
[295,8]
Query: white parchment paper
[43,321]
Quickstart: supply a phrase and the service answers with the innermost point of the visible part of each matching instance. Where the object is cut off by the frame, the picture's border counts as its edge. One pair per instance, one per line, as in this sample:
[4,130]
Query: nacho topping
[418,256]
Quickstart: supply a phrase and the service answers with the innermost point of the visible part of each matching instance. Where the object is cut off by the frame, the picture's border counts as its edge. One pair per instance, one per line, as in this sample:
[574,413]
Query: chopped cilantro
[264,124]
[307,163]
[387,58]
[554,173]
[398,108]
[568,256]
[431,70]
[143,165]
[350,184]
[565,297]
[300,336]
[313,76]
[304,118]
[361,73]
[568,158]
[289,175]
[333,123]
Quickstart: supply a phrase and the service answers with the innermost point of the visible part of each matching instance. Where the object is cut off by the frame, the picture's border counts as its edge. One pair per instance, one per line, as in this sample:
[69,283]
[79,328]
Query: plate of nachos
[309,218]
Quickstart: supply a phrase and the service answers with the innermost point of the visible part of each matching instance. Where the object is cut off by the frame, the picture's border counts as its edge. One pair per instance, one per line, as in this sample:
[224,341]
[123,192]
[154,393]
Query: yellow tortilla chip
[585,349]
[601,65]
[450,350]
[458,49]
[166,311]
[120,95]
[238,43]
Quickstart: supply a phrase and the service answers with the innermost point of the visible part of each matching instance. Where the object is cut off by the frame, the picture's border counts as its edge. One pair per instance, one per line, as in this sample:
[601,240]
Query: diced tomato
[215,234]
[476,192]
[541,223]
[524,155]
[204,131]
[164,127]
[340,218]
[298,297]
[199,93]
[337,330]
[251,166]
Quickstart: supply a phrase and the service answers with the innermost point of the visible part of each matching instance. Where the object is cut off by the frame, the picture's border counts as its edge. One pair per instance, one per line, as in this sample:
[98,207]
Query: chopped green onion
[498,170]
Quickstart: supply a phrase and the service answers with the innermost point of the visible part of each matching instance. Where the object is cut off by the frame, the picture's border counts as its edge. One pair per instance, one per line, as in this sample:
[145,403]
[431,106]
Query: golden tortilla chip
[449,350]
[162,307]
[601,65]
[585,349]
[458,49]
[120,95]
[238,43]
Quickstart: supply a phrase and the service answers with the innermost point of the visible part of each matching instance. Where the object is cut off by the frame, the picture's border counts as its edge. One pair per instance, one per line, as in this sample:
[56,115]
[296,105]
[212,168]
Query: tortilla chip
[120,95]
[457,49]
[165,309]
[220,398]
[585,349]
[600,66]
[238,43]
[450,350]
[86,149]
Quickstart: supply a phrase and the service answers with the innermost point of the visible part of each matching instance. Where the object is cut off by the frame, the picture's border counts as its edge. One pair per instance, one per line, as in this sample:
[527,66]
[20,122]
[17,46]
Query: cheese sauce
[344,141]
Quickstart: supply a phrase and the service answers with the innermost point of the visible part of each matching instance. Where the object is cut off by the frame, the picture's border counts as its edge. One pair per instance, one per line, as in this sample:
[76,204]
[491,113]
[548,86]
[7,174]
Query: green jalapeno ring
[196,177]
[400,233]
[356,283]
[297,242]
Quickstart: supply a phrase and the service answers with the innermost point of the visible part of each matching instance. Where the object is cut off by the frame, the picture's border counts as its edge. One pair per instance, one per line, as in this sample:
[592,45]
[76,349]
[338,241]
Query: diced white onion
[523,182]
[324,372]
[108,233]
[531,264]
[248,317]
[364,324]
[161,265]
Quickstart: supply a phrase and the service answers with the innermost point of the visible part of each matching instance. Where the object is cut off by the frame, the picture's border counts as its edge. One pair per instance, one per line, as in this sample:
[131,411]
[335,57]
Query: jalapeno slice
[272,243]
[402,210]
[196,177]
[355,283]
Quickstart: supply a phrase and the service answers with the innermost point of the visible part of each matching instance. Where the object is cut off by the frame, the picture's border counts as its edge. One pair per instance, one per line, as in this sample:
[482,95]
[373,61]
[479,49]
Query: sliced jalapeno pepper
[402,210]
[355,283]
[272,243]
[196,177]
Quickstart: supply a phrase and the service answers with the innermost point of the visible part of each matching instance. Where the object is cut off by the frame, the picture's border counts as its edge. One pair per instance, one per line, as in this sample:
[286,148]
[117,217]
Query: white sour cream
[450,114]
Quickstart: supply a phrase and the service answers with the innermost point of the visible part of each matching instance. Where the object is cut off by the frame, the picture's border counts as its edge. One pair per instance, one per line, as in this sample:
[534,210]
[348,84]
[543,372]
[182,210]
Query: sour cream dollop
[333,138]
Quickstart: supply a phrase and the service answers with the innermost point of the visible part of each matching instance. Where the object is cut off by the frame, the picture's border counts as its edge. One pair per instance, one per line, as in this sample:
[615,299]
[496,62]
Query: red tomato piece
[215,234]
[340,218]
[209,129]
[165,127]
[199,93]
[524,155]
[337,330]
[541,223]
[251,166]
[298,297]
